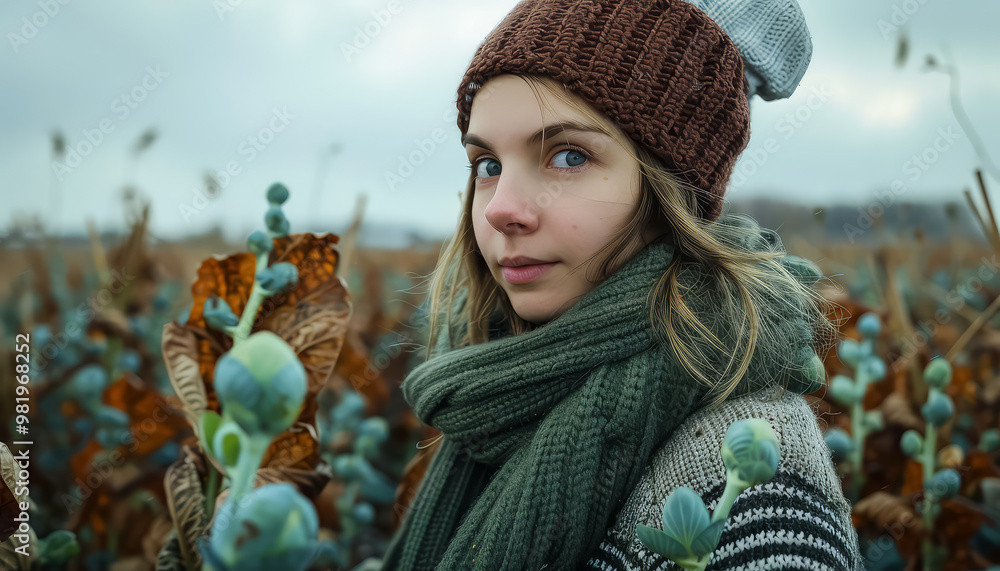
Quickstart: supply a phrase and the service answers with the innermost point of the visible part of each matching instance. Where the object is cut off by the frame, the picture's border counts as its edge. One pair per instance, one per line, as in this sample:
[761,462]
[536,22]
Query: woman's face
[557,202]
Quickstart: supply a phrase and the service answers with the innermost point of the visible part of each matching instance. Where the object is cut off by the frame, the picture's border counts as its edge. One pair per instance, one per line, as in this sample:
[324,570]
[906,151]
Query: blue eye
[574,158]
[490,170]
[487,167]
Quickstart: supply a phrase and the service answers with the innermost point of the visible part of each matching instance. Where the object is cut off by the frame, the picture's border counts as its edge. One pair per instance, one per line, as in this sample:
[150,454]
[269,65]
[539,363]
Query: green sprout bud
[259,243]
[347,414]
[687,534]
[375,485]
[349,466]
[839,443]
[849,352]
[843,391]
[750,452]
[277,194]
[276,222]
[273,527]
[874,368]
[869,325]
[873,420]
[261,384]
[363,513]
[58,547]
[989,440]
[912,443]
[87,386]
[938,408]
[366,446]
[218,314]
[371,434]
[278,278]
[375,427]
[937,373]
[944,485]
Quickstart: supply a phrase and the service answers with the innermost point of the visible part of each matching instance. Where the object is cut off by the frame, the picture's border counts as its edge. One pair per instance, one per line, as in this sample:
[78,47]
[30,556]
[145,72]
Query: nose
[510,210]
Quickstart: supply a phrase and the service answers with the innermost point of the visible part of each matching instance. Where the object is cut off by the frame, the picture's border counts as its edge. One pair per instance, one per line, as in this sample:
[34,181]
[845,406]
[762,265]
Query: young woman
[596,325]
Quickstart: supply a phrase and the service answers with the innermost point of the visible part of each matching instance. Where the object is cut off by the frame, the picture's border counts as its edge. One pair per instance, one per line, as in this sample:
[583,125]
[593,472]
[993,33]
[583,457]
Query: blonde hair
[668,204]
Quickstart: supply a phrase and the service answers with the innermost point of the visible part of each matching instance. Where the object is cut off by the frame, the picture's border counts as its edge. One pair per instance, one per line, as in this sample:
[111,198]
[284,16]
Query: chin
[533,310]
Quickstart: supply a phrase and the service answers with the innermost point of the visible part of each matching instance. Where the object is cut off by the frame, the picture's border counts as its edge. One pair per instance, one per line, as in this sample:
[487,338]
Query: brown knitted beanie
[662,70]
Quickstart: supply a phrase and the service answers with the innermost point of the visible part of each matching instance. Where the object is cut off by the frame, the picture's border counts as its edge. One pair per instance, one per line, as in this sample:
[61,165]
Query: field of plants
[145,432]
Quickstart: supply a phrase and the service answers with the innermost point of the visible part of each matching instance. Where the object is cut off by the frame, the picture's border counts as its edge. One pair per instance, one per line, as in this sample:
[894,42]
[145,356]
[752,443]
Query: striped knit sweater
[798,520]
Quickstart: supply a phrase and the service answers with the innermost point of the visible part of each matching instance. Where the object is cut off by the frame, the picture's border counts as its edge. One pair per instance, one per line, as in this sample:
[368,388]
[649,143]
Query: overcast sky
[294,90]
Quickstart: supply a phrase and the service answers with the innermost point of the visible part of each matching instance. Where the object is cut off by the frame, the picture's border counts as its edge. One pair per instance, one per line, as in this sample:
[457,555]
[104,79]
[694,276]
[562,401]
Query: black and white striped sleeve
[784,524]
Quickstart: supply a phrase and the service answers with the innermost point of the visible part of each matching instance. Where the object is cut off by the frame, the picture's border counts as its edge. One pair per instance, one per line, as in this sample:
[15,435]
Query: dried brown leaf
[308,482]
[170,558]
[180,355]
[950,456]
[186,502]
[885,515]
[896,410]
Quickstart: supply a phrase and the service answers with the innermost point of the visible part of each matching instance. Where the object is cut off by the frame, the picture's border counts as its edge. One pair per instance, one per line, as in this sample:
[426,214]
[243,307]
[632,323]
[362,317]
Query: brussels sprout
[873,420]
[58,547]
[750,452]
[874,368]
[364,512]
[259,243]
[869,325]
[277,194]
[349,466]
[111,417]
[276,221]
[129,360]
[687,532]
[347,414]
[87,386]
[278,278]
[372,432]
[944,485]
[273,527]
[849,352]
[937,373]
[843,391]
[912,443]
[989,440]
[938,408]
[375,427]
[218,314]
[261,384]
[839,443]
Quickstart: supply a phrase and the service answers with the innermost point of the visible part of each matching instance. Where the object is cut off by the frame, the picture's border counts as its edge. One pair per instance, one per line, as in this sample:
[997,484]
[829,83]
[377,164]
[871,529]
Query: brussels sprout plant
[750,453]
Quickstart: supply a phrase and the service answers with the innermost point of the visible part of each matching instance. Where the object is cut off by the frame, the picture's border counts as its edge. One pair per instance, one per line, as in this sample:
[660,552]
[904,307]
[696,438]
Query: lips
[525,274]
[522,261]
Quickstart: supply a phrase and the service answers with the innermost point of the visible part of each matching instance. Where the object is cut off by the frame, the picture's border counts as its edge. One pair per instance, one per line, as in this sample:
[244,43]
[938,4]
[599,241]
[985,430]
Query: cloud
[228,73]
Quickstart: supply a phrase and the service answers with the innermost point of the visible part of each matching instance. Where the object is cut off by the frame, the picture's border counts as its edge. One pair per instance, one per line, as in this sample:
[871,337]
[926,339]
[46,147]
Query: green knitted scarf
[570,413]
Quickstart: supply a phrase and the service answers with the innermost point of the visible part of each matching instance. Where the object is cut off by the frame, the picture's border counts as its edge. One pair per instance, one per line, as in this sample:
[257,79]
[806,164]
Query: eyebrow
[551,130]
